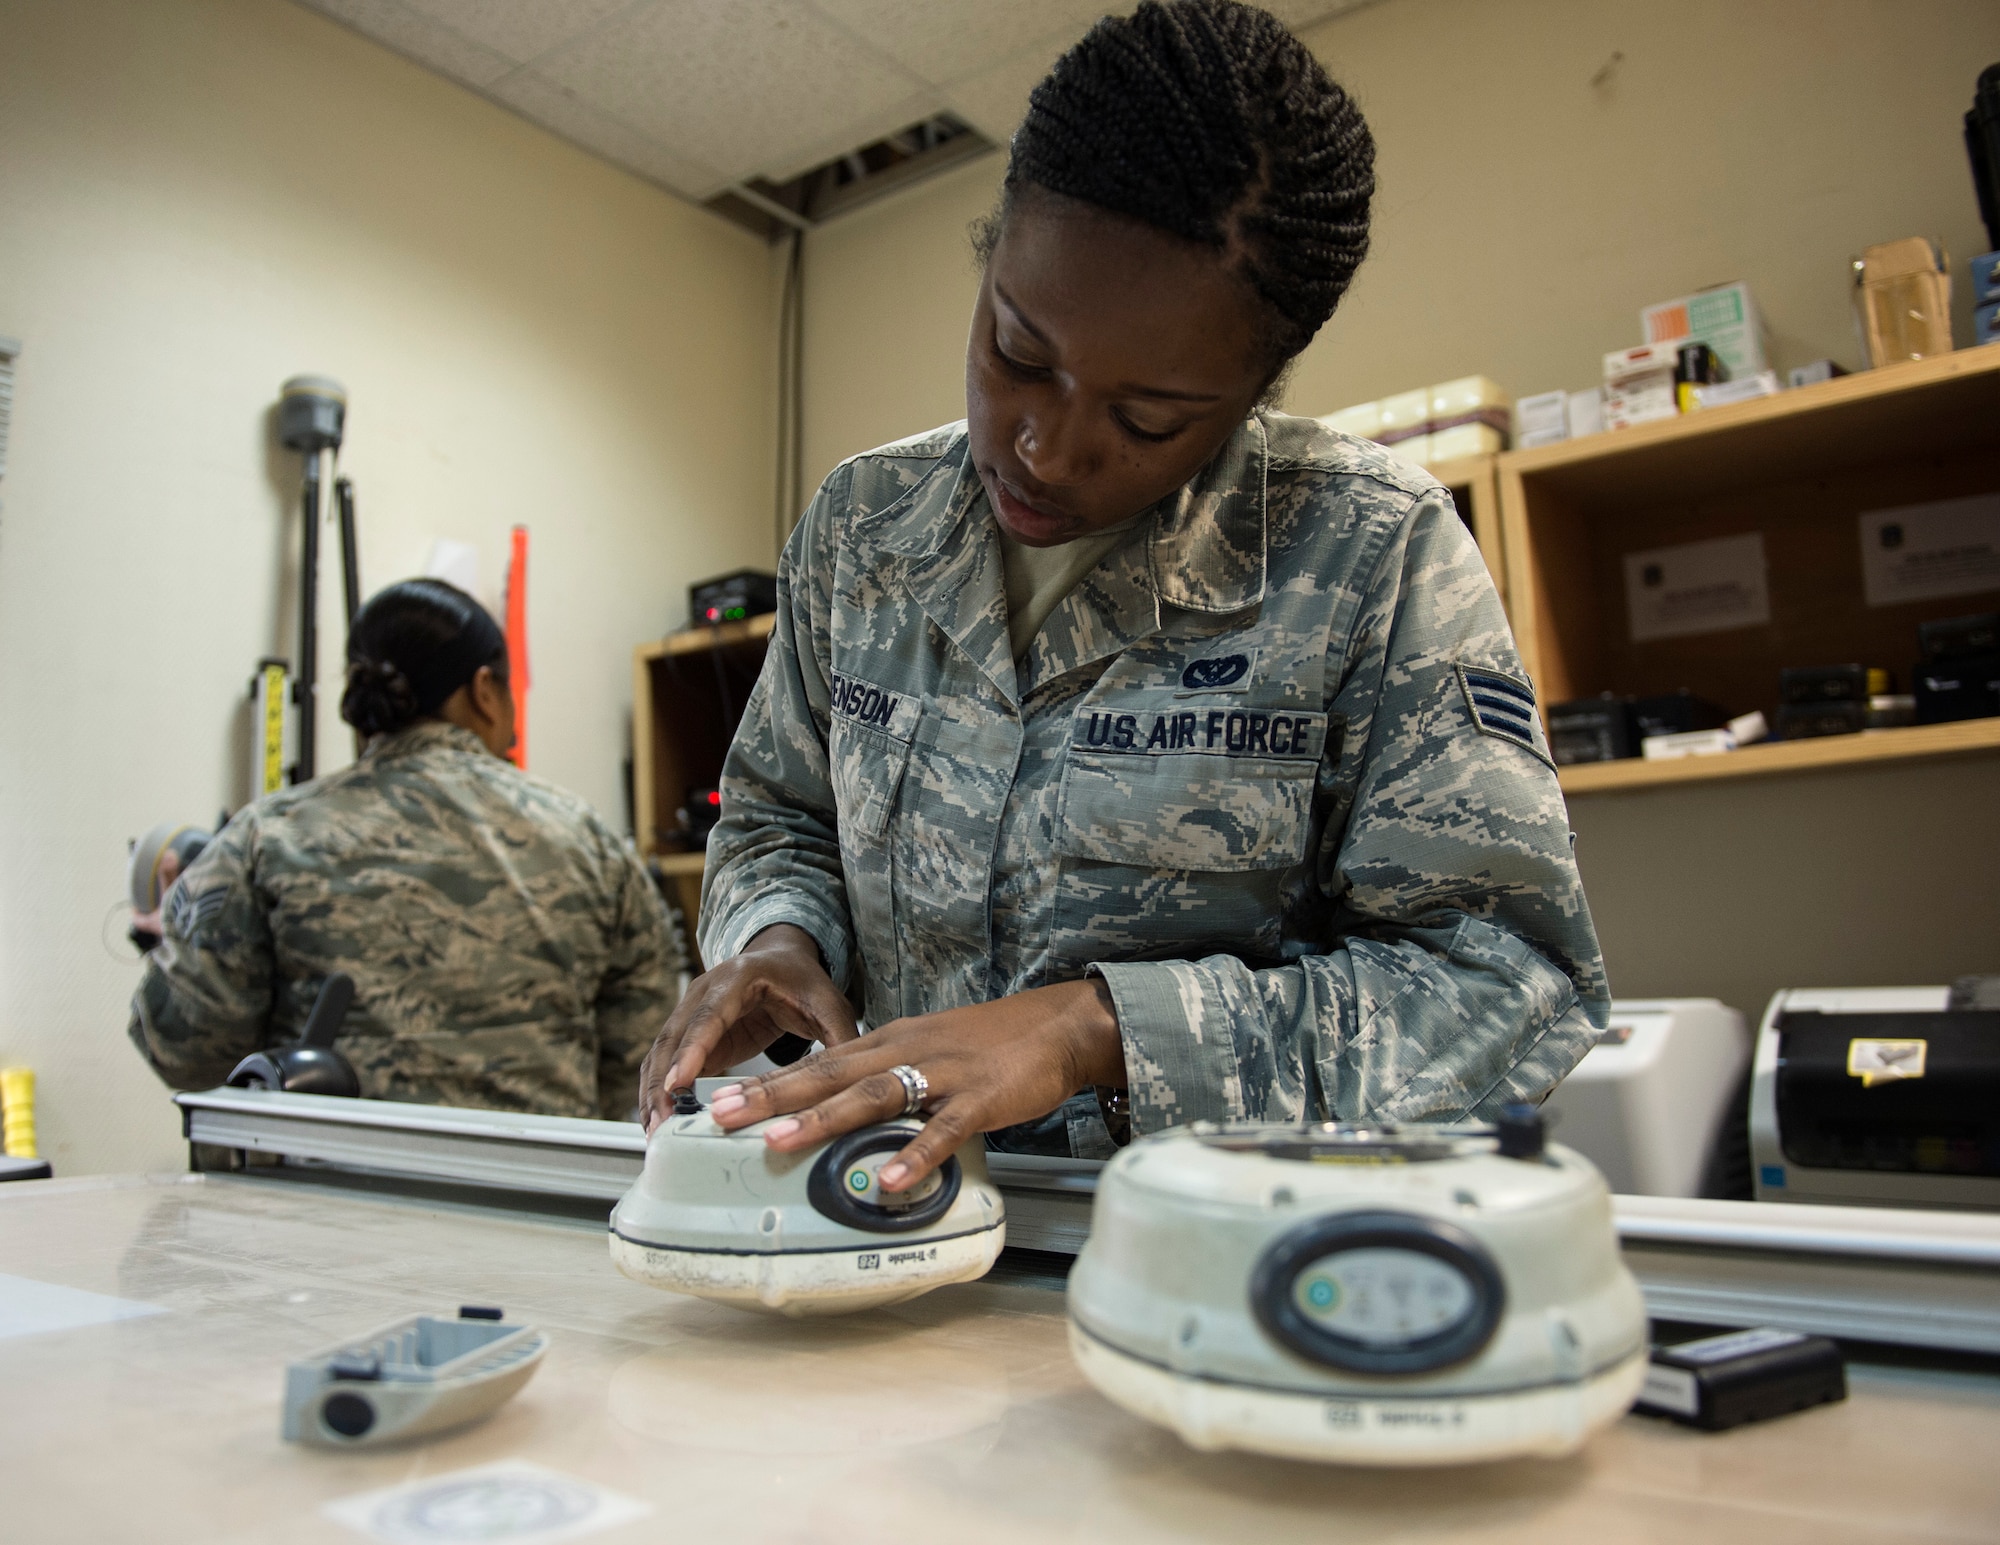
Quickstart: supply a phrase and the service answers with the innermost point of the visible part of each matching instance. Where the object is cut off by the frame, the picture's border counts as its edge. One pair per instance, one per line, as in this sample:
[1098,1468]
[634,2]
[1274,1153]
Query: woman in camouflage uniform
[508,950]
[1132,742]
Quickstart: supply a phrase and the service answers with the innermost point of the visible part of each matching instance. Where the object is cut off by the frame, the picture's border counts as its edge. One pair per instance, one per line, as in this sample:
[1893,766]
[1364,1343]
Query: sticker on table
[512,1500]
[1921,552]
[31,1308]
[1697,587]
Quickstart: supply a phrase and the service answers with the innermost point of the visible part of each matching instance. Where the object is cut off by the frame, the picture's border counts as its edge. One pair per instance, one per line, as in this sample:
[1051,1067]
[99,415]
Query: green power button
[857,1180]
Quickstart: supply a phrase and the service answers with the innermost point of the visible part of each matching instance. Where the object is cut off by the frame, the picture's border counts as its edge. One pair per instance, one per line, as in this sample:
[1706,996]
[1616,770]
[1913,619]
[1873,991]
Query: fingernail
[893,1175]
[727,1090]
[726,1104]
[780,1129]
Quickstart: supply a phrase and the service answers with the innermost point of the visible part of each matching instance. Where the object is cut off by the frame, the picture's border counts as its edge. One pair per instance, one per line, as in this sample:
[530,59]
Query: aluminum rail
[1866,1273]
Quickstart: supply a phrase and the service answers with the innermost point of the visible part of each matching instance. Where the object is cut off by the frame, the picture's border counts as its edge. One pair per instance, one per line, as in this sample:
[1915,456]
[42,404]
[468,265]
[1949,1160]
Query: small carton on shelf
[1986,280]
[1583,412]
[1639,384]
[1724,317]
[1539,420]
[1902,293]
[1723,393]
[1469,417]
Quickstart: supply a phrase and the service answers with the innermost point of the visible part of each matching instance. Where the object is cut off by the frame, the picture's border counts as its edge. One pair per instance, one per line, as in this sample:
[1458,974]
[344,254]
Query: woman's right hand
[775,984]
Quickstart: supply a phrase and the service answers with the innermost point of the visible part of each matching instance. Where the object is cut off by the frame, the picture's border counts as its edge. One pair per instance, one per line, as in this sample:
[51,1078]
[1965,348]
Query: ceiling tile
[741,87]
[994,100]
[552,107]
[1301,14]
[419,37]
[520,29]
[943,40]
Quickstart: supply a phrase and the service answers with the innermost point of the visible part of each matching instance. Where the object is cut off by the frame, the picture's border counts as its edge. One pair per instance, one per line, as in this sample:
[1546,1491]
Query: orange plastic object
[517,643]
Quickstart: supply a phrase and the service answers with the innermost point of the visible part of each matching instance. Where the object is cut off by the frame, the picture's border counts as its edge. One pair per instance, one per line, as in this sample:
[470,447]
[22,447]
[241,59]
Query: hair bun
[379,699]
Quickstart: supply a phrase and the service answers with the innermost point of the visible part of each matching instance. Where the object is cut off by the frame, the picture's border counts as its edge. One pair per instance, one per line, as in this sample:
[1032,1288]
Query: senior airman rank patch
[1501,705]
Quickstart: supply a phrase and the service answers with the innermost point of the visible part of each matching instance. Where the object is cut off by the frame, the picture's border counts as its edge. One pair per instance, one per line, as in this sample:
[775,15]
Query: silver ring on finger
[916,1087]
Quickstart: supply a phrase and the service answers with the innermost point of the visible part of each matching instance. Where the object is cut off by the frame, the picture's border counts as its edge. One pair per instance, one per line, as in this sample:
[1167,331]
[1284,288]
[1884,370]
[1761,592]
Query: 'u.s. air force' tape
[868,706]
[1274,734]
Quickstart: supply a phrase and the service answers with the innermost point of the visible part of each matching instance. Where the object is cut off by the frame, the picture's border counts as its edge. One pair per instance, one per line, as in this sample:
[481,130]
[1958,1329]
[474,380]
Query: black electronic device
[1809,684]
[732,598]
[1810,721]
[1965,686]
[1745,1376]
[1982,145]
[701,812]
[311,1065]
[1676,713]
[1952,636]
[1914,1092]
[1592,729]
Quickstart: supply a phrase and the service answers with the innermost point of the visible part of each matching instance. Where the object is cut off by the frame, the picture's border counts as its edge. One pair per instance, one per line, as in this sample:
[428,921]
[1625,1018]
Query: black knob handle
[685,1103]
[1522,1132]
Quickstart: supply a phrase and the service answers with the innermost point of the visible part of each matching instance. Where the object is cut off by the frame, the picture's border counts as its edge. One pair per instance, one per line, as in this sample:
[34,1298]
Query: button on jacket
[507,949]
[1273,770]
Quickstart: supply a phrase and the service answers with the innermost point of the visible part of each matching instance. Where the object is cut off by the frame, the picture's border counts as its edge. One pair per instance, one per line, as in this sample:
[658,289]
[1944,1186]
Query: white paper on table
[511,1500]
[1922,551]
[29,1308]
[1697,587]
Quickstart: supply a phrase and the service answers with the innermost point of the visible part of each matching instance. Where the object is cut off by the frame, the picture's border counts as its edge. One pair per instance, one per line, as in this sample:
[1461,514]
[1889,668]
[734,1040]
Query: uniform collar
[1206,553]
[424,735]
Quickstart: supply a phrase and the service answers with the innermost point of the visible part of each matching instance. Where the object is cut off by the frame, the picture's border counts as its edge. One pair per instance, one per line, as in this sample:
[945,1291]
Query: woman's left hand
[988,1066]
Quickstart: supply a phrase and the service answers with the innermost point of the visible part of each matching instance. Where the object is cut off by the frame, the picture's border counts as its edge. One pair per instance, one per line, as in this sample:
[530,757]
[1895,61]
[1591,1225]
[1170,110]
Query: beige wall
[199,198]
[1525,216]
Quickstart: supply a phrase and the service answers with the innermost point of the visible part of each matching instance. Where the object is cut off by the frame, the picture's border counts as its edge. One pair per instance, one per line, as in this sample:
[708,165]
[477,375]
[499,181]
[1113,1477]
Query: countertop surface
[958,1417]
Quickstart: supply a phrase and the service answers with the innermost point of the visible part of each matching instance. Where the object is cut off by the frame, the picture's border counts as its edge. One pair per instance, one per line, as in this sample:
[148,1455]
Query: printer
[1879,1096]
[1647,1101]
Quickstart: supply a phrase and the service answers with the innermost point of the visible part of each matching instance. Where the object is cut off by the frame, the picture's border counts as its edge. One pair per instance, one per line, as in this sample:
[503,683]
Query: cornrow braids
[1209,120]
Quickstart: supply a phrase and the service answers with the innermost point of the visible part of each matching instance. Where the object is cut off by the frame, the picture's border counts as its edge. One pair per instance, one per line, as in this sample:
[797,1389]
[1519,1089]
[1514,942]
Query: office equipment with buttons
[1373,1295]
[720,1215]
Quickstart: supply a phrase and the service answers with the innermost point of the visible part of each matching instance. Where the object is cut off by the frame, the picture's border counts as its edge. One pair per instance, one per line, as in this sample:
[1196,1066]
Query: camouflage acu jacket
[507,949]
[1273,770]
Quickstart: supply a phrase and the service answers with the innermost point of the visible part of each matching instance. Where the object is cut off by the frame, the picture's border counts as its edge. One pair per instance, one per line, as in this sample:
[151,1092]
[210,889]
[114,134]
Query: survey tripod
[312,413]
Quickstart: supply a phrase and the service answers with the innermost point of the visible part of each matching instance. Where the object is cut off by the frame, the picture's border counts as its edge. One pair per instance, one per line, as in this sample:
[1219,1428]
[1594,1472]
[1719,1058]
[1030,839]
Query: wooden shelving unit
[1799,467]
[1917,743]
[688,690]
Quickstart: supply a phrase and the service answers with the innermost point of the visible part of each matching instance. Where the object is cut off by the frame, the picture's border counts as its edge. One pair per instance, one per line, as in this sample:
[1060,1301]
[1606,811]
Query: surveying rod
[312,411]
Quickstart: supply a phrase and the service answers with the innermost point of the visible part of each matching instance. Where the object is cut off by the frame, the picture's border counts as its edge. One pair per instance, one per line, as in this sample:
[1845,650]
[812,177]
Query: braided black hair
[412,646]
[1209,120]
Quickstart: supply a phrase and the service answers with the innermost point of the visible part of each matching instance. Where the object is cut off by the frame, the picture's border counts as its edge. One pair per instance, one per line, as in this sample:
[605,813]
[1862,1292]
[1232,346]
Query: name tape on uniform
[864,704]
[1279,734]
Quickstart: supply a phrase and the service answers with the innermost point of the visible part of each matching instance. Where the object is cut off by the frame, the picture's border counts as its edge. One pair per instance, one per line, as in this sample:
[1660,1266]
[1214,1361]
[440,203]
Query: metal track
[1875,1274]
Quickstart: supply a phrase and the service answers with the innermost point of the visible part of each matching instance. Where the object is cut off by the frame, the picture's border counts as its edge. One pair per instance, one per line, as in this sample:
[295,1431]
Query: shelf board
[1925,407]
[722,636]
[680,863]
[1919,742]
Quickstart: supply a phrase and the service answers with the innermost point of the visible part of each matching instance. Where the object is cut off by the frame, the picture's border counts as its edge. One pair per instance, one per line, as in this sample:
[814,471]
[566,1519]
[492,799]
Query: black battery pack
[1744,1376]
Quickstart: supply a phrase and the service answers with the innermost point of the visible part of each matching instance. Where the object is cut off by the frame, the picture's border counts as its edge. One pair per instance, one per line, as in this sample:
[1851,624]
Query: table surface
[958,1417]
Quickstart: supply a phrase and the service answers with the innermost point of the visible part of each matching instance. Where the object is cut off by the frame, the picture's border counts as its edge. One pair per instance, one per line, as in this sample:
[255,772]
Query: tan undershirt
[1038,578]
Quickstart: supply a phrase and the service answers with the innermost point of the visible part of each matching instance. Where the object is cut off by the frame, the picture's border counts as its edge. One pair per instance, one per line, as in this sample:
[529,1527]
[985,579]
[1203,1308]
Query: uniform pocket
[866,767]
[1215,791]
